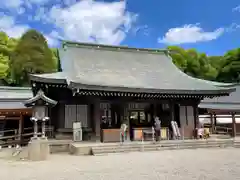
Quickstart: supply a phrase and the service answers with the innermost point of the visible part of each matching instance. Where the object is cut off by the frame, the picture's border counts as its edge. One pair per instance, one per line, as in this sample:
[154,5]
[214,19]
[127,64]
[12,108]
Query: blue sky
[210,26]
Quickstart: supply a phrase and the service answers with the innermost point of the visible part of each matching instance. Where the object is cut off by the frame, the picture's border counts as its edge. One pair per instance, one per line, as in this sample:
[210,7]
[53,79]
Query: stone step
[106,150]
[220,136]
[158,145]
[165,143]
[146,149]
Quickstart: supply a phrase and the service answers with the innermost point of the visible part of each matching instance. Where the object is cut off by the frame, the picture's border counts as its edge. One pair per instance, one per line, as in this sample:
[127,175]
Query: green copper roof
[220,84]
[226,102]
[116,68]
[15,93]
[13,97]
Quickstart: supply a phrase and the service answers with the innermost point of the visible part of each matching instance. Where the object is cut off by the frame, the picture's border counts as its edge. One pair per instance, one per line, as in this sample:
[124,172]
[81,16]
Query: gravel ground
[210,164]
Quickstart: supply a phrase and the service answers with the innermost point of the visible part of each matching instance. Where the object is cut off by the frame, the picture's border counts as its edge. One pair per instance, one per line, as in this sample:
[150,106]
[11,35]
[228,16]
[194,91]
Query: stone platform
[98,148]
[106,148]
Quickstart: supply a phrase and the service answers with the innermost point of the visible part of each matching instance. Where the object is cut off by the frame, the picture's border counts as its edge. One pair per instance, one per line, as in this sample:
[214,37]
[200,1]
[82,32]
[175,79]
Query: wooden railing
[21,139]
[223,130]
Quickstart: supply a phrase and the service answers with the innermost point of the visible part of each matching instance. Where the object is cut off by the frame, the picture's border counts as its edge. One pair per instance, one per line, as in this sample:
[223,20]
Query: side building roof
[13,97]
[124,69]
[231,102]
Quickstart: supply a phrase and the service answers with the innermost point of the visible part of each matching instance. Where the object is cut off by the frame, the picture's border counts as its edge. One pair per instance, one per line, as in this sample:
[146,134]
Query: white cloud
[189,34]
[237,8]
[39,2]
[51,41]
[74,20]
[8,25]
[233,27]
[11,3]
[90,21]
[53,38]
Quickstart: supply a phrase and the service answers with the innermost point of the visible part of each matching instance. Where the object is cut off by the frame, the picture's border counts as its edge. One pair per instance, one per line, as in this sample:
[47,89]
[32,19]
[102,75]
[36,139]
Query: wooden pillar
[215,120]
[212,122]
[196,118]
[233,125]
[171,105]
[97,120]
[20,128]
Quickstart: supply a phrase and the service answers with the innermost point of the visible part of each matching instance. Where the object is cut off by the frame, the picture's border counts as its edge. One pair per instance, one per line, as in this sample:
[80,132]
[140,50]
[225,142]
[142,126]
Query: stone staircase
[236,143]
[220,136]
[106,148]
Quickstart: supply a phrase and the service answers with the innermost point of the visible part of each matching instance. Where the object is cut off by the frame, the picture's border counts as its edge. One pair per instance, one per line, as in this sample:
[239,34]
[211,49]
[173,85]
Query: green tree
[230,69]
[6,47]
[31,55]
[193,63]
[179,57]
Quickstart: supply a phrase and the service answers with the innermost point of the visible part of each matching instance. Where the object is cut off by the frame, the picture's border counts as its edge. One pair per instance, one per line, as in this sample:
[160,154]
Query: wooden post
[233,125]
[97,120]
[20,127]
[215,120]
[212,123]
[172,114]
[196,118]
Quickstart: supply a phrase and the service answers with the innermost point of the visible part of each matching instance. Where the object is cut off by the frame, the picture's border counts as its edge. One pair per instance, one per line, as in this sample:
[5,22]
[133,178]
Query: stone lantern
[40,104]
[38,148]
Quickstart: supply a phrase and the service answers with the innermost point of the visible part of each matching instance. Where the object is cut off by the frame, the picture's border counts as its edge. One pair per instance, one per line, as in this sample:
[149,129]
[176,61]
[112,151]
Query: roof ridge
[111,47]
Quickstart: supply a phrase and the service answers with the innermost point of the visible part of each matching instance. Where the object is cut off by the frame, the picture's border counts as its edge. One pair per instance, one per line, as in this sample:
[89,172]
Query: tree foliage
[224,68]
[31,54]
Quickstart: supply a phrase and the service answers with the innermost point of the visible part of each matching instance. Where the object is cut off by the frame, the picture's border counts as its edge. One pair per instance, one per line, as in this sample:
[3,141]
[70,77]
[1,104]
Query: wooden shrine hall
[102,86]
[222,112]
[14,116]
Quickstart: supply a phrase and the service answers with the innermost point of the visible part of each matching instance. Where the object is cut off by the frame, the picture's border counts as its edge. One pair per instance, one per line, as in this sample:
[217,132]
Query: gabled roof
[40,95]
[231,102]
[117,68]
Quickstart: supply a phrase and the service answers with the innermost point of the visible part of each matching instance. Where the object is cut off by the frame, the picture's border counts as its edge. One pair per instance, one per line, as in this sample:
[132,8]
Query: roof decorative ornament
[40,96]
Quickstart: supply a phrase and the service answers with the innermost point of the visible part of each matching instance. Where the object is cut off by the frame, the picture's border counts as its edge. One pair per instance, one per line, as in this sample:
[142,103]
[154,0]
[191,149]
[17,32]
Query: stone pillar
[35,127]
[38,149]
[233,125]
[44,126]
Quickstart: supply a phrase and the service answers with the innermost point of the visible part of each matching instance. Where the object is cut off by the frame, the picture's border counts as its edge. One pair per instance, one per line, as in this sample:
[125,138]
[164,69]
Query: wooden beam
[16,111]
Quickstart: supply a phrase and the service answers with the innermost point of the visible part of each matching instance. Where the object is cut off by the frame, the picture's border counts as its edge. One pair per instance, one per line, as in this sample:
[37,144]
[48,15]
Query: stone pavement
[199,164]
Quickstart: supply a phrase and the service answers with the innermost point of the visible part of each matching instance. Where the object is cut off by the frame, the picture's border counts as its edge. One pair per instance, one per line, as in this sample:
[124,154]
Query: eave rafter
[147,95]
[77,92]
